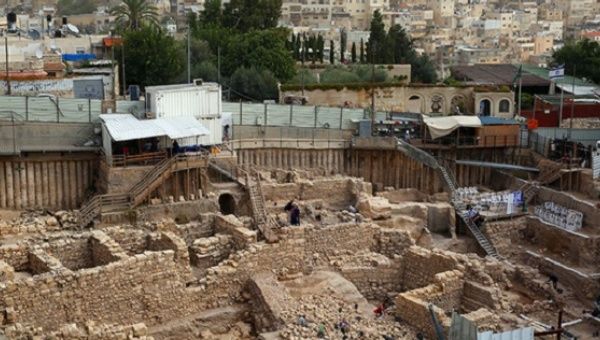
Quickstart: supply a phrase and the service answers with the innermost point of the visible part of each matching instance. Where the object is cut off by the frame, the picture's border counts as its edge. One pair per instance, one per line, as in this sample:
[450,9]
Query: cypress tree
[343,43]
[362,50]
[353,52]
[331,53]
[321,45]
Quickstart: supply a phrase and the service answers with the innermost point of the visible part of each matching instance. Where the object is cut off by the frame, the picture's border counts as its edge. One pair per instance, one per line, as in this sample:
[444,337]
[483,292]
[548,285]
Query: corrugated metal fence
[295,115]
[540,138]
[72,110]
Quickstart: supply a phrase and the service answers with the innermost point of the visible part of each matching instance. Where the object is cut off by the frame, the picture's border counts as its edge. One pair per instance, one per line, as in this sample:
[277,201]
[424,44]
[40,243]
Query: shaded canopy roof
[443,126]
[496,74]
[124,127]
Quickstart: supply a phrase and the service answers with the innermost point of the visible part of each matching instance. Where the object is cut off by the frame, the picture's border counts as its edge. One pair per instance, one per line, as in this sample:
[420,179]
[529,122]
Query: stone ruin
[198,273]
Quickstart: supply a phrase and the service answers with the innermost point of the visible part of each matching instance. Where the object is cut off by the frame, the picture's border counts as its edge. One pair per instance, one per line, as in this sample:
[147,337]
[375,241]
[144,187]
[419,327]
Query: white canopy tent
[443,126]
[126,127]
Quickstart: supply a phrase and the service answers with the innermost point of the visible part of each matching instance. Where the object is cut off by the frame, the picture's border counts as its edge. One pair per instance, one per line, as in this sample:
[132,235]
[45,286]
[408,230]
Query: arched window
[504,106]
[415,104]
[485,107]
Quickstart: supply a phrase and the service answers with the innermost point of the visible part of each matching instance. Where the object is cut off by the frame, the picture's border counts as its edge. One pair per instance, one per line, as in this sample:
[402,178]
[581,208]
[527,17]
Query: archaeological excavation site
[282,232]
[302,241]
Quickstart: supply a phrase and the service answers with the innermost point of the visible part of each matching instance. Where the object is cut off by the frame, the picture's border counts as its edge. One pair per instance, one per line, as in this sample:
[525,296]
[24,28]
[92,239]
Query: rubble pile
[329,311]
[39,222]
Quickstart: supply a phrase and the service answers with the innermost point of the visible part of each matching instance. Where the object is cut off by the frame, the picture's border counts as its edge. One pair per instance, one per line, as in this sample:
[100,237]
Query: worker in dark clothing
[295,215]
[175,149]
[553,279]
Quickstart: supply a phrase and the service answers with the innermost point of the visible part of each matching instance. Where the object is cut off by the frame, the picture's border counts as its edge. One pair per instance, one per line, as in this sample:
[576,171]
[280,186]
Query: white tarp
[596,164]
[123,127]
[443,126]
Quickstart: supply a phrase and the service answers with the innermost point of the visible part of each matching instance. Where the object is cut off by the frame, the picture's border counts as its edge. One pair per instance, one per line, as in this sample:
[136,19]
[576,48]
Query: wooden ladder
[264,223]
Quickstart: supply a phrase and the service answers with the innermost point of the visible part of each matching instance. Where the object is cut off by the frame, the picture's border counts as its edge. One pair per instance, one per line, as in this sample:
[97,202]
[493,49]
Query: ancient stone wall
[241,236]
[421,266]
[133,241]
[444,293]
[134,284]
[345,189]
[341,238]
[121,179]
[583,284]
[578,248]
[268,297]
[477,296]
[375,282]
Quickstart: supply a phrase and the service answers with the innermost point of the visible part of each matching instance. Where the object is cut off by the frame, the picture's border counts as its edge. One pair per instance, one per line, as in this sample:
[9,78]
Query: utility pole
[560,112]
[6,61]
[373,89]
[572,101]
[520,87]
[219,64]
[302,69]
[189,70]
[112,67]
[123,66]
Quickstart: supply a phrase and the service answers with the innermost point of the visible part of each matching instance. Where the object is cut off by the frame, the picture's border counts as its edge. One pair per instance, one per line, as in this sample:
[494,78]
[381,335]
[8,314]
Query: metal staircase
[452,185]
[530,189]
[137,194]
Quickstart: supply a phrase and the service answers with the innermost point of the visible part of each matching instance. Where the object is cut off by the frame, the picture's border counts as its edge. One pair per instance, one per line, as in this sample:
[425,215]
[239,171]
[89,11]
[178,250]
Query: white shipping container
[200,101]
[184,100]
[213,124]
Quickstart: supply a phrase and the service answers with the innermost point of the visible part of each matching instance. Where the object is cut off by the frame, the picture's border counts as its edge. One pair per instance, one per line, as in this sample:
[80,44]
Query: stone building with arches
[428,99]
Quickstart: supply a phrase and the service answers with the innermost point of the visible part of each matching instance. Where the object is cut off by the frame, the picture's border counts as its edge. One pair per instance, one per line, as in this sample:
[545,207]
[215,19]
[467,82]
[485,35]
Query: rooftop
[496,74]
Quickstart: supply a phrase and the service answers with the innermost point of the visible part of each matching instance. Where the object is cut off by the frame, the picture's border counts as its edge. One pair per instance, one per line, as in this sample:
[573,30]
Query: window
[504,106]
[80,50]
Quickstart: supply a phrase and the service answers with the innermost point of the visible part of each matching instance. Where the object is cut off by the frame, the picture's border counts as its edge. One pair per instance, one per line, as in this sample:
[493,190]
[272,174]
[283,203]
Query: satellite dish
[72,28]
[39,53]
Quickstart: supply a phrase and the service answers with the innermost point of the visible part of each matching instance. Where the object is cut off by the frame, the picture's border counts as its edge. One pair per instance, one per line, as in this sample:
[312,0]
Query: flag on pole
[517,76]
[557,72]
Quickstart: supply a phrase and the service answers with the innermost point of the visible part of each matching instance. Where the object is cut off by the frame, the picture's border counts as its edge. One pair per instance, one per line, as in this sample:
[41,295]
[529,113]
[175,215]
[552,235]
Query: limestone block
[6,272]
[375,208]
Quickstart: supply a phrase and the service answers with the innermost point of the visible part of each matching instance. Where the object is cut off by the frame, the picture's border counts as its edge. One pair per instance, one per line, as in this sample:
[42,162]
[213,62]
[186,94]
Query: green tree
[321,44]
[399,47]
[353,52]
[254,84]
[212,15]
[362,50]
[312,43]
[367,74]
[304,75]
[259,49]
[422,70]
[152,57]
[331,53]
[206,71]
[131,14]
[377,39]
[526,101]
[246,15]
[202,62]
[339,75]
[343,43]
[582,54]
[74,7]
